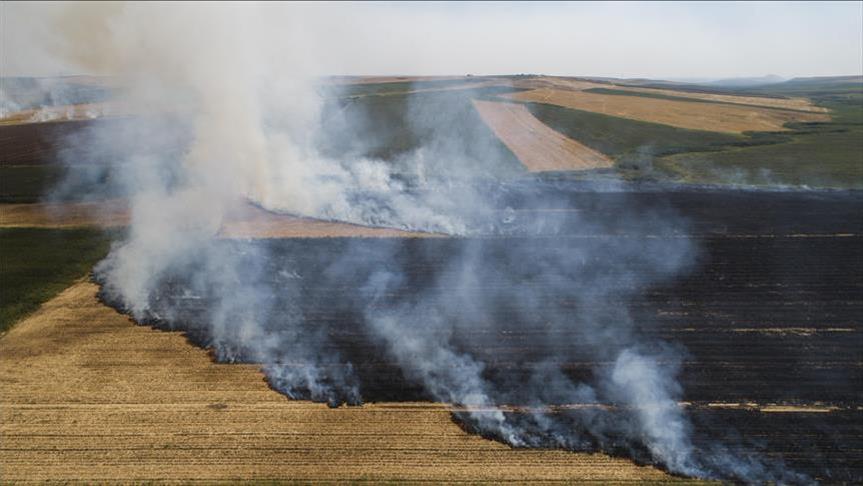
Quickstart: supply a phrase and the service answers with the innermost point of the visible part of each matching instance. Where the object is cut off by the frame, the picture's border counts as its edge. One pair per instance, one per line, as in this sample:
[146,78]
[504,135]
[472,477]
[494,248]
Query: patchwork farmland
[766,310]
[720,117]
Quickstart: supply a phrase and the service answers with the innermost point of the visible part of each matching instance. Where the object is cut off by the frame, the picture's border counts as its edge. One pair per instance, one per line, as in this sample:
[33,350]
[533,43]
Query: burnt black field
[766,309]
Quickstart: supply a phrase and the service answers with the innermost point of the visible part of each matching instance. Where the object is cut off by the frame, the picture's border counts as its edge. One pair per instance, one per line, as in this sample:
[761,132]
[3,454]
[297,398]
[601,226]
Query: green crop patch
[824,154]
[395,88]
[629,141]
[818,159]
[36,264]
[35,183]
[442,128]
[28,183]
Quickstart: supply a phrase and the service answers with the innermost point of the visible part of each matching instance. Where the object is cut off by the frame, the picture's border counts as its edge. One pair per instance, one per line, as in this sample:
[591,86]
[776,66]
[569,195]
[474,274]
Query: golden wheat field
[715,117]
[576,84]
[536,145]
[90,396]
[241,221]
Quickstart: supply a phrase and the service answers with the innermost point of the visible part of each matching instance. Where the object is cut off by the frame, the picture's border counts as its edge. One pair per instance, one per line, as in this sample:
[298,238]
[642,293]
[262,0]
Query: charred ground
[770,313]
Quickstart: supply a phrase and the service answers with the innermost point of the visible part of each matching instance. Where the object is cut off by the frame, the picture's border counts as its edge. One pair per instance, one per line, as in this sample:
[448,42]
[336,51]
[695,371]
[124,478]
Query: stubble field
[682,114]
[90,396]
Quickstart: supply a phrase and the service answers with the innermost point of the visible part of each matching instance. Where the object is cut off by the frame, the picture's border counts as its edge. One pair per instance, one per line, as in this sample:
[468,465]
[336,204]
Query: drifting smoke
[236,86]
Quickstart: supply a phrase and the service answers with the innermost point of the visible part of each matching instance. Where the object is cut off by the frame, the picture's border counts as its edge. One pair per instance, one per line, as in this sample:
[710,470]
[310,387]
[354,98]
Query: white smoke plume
[241,82]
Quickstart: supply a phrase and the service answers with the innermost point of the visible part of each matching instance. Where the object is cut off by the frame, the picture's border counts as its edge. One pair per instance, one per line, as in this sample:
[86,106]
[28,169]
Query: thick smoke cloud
[241,85]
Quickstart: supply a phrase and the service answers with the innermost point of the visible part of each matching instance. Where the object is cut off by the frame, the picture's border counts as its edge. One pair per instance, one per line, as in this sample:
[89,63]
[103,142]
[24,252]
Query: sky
[669,40]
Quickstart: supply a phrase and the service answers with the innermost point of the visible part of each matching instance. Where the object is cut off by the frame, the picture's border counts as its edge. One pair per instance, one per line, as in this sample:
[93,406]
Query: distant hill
[745,82]
[819,86]
[822,82]
[830,79]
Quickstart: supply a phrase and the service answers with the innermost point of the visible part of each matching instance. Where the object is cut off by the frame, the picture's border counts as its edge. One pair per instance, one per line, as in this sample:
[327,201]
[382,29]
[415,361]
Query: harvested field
[537,146]
[574,84]
[801,104]
[390,79]
[90,396]
[244,221]
[249,221]
[106,214]
[715,117]
[64,113]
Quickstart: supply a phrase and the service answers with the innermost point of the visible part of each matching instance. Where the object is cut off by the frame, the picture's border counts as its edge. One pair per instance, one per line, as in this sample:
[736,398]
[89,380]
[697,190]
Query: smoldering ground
[480,322]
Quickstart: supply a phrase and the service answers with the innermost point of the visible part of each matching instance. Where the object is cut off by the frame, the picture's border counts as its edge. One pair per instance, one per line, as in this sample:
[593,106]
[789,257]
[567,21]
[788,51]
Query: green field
[35,183]
[36,264]
[27,183]
[635,144]
[828,154]
[814,160]
[394,88]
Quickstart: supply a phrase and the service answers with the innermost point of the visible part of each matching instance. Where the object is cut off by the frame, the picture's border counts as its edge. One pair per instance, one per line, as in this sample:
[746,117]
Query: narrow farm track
[89,396]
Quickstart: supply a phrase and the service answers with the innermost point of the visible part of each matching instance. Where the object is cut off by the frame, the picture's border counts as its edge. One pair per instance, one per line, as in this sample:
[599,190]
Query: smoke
[240,84]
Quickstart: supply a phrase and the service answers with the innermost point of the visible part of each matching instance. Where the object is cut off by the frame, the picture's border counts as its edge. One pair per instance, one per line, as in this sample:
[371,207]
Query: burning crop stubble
[240,80]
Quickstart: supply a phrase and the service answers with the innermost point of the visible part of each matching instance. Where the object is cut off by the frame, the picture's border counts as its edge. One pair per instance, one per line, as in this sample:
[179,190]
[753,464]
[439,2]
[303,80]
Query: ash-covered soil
[767,315]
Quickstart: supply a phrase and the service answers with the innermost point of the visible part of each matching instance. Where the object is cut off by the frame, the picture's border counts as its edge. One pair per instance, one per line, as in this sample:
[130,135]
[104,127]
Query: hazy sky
[658,40]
